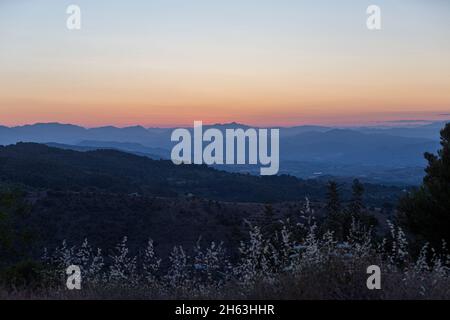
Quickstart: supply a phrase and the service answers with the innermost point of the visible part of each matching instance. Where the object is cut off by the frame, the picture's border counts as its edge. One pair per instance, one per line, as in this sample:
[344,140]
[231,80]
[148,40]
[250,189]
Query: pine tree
[333,202]
[356,215]
[334,220]
[269,223]
[426,211]
[356,205]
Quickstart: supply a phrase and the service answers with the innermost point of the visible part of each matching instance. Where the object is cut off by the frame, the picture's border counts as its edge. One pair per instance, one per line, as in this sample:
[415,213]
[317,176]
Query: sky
[260,62]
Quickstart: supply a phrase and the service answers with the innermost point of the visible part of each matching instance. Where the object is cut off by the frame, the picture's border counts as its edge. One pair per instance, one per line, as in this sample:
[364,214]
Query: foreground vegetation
[276,268]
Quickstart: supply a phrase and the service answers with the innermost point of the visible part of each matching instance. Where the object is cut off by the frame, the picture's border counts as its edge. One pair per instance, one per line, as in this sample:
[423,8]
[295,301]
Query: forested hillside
[41,167]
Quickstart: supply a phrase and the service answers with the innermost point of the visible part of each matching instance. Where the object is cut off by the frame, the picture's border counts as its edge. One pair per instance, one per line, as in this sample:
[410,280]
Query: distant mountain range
[371,150]
[157,137]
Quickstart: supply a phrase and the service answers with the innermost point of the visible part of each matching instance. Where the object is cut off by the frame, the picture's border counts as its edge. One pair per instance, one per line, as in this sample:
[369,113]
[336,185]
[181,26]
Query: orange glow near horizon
[86,96]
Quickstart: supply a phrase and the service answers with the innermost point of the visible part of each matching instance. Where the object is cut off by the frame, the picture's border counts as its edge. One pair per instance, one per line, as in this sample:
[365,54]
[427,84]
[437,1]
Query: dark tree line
[426,211]
[340,218]
[17,267]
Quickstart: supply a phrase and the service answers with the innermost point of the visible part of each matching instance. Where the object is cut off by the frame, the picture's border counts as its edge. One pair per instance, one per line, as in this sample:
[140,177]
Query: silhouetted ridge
[42,167]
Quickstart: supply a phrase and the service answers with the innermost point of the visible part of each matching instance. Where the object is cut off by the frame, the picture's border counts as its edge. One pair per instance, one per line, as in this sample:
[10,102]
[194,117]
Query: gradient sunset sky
[259,62]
